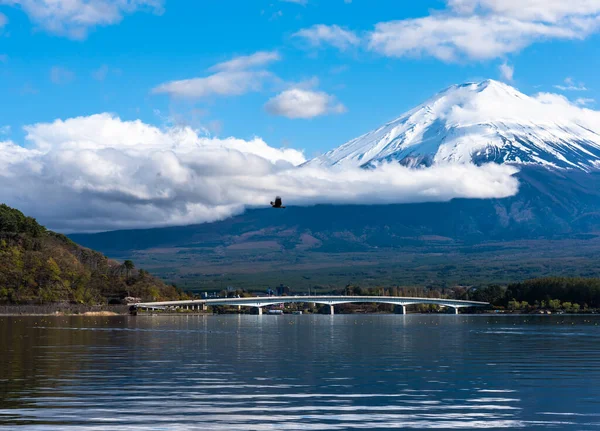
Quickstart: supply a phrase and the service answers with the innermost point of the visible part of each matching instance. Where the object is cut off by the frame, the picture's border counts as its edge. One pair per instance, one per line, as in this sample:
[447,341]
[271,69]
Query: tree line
[571,294]
[554,293]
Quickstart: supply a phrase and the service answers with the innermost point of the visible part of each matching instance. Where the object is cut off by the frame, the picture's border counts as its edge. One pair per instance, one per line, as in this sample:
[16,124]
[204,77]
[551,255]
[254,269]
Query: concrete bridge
[264,301]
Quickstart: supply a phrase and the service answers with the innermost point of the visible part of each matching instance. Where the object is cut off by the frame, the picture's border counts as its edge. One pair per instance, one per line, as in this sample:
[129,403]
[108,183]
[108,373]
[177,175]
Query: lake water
[339,372]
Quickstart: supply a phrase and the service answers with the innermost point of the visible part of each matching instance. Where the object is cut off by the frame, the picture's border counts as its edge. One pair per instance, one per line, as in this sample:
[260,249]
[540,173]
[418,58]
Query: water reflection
[299,372]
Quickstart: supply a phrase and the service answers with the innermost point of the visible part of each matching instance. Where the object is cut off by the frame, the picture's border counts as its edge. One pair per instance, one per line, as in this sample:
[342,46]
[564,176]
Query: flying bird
[277,203]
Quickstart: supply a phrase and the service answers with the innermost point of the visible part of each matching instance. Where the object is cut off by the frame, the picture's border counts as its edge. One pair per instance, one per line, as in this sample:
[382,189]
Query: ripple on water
[321,373]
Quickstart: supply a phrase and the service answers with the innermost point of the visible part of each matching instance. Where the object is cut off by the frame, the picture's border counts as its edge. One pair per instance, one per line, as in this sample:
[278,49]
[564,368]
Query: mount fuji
[480,123]
[555,144]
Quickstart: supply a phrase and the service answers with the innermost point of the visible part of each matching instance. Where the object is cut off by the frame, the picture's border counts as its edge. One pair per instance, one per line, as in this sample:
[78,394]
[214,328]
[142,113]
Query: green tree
[129,266]
[514,305]
[554,304]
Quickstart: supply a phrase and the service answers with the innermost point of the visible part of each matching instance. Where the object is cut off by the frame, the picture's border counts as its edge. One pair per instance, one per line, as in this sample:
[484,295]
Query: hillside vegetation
[41,266]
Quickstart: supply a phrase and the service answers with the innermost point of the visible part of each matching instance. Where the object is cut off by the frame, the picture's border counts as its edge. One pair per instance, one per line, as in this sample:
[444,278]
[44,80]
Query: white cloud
[219,84]
[233,78]
[485,29]
[100,172]
[300,2]
[74,18]
[258,59]
[570,85]
[472,29]
[532,10]
[333,35]
[299,103]
[61,75]
[507,71]
[584,101]
[448,38]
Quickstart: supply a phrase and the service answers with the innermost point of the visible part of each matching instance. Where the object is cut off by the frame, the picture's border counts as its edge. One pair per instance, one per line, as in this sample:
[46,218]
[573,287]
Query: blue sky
[137,113]
[58,65]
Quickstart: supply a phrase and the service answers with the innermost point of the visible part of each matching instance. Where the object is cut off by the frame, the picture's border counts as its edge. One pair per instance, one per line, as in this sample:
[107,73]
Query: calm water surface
[299,372]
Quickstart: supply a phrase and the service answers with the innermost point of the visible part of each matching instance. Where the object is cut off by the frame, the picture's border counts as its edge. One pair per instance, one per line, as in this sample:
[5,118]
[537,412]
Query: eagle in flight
[277,203]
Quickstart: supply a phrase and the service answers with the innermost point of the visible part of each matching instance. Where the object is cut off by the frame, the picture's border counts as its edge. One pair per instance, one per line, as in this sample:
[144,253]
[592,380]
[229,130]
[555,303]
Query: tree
[554,304]
[129,266]
[493,294]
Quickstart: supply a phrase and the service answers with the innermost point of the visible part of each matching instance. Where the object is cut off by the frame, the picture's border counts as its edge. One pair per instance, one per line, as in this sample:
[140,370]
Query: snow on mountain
[479,123]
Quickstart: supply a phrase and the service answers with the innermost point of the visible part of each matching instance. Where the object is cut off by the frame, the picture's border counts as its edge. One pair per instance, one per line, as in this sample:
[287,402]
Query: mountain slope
[40,266]
[480,123]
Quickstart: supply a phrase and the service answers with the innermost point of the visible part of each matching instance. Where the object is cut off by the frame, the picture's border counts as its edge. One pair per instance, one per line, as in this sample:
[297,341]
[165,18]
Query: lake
[309,372]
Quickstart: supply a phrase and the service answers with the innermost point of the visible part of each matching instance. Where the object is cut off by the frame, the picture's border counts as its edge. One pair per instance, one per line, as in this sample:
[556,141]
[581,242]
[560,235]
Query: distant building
[283,290]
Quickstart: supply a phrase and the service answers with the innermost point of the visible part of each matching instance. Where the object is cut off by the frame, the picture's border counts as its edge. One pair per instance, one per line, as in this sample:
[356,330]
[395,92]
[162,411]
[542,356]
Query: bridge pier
[331,310]
[453,310]
[204,307]
[400,309]
[259,309]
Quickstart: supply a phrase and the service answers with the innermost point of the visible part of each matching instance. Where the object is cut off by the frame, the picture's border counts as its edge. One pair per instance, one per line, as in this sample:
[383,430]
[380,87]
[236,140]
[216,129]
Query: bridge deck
[262,301]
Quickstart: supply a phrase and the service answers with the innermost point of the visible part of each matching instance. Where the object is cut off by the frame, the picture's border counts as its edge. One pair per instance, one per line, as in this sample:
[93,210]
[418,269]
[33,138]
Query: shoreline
[63,310]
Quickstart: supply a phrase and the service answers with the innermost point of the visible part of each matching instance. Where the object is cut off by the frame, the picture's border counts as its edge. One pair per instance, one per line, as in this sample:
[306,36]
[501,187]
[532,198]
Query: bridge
[264,301]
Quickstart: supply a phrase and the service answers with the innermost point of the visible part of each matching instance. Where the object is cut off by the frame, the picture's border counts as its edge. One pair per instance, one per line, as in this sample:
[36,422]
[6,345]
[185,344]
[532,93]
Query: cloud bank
[100,173]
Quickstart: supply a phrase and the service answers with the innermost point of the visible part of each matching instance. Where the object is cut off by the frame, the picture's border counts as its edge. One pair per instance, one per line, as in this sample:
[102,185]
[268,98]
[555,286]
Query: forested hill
[41,266]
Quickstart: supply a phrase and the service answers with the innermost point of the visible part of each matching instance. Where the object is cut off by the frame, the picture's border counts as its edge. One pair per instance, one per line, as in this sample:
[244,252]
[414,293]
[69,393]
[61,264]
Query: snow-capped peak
[477,123]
